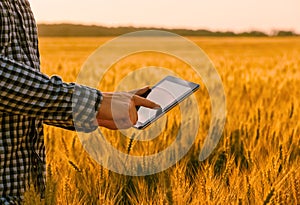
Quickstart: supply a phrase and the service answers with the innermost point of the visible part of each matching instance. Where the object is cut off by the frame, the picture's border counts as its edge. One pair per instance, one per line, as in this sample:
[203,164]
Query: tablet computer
[167,93]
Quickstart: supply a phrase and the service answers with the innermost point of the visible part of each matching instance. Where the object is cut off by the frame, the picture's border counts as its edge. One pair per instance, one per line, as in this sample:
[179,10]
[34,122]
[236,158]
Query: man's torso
[21,138]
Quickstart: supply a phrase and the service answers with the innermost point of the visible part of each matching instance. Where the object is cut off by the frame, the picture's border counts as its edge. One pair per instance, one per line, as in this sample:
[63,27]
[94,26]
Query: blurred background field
[256,161]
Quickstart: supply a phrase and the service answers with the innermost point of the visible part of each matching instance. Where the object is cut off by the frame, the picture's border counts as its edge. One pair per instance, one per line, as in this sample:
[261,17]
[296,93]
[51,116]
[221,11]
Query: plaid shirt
[28,99]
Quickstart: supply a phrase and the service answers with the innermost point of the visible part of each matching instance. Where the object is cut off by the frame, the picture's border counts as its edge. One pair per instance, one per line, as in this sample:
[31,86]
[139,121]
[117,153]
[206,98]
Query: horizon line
[267,31]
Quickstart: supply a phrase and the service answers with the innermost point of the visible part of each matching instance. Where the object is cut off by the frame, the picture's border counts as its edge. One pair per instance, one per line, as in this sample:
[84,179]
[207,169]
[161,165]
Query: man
[28,99]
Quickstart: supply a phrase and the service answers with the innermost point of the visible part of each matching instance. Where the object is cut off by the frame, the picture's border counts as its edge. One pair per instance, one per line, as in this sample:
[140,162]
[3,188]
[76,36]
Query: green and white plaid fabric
[28,99]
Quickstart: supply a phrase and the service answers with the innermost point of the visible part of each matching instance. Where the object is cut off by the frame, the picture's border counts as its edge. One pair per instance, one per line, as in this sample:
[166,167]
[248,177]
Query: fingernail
[157,107]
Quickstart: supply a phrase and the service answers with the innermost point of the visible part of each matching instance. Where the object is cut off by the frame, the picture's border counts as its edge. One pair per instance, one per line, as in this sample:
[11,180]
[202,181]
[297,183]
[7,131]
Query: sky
[216,15]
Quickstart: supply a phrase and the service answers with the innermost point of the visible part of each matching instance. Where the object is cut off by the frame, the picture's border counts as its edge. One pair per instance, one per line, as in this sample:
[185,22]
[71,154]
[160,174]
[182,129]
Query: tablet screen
[166,93]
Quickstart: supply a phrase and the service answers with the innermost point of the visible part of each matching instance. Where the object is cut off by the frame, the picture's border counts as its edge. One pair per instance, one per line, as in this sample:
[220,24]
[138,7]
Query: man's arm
[26,91]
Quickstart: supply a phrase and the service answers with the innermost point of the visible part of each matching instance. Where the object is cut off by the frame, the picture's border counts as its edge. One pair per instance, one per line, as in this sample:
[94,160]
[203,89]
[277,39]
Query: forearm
[25,91]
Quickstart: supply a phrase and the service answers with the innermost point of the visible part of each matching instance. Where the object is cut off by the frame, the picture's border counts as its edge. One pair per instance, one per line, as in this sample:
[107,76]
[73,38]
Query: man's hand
[118,109]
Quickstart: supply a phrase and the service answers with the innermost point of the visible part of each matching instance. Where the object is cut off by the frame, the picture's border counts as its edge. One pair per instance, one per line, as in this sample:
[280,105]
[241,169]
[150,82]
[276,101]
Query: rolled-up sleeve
[26,91]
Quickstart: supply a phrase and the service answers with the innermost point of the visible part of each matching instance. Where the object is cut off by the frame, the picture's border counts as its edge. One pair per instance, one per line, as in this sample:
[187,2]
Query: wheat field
[256,161]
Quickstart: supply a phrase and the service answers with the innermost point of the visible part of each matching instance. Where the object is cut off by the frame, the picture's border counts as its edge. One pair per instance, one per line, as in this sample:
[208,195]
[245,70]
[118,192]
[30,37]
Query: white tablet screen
[163,94]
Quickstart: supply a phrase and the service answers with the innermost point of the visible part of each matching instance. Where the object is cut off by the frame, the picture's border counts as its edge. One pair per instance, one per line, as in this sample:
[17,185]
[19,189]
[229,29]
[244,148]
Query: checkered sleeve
[26,91]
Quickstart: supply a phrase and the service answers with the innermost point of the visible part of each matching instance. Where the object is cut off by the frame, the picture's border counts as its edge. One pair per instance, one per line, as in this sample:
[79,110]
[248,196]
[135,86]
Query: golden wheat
[256,161]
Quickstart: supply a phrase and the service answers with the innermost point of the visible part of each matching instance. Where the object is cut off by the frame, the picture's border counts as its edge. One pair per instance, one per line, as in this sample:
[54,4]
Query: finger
[133,113]
[140,101]
[140,91]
